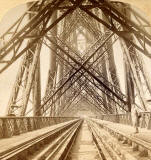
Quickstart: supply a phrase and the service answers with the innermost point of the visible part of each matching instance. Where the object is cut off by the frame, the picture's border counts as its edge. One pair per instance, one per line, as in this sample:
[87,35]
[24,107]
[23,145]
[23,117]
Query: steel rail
[119,138]
[18,150]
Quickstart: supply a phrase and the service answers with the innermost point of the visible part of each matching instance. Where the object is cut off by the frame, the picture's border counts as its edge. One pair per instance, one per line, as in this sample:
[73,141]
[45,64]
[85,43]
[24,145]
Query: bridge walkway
[144,134]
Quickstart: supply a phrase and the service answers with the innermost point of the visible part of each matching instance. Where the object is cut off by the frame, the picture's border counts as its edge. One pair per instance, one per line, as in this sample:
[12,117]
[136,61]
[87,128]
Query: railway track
[45,146]
[114,145]
[84,147]
[59,143]
[58,149]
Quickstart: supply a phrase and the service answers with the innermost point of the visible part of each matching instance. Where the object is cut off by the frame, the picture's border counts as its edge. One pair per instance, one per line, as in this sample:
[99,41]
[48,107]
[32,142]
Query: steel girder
[82,66]
[15,38]
[41,19]
[131,27]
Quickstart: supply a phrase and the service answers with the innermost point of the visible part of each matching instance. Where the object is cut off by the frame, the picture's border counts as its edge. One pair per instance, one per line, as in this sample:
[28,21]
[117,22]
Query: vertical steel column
[104,66]
[22,76]
[130,90]
[37,91]
[30,80]
[16,87]
[111,68]
[58,83]
[33,78]
[52,68]
[134,76]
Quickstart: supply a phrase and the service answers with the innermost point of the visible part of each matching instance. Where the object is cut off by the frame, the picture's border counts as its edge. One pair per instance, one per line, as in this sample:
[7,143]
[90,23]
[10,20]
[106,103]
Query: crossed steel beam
[131,27]
[82,82]
[69,77]
[66,62]
[96,104]
[46,11]
[82,66]
[99,74]
[61,87]
[41,19]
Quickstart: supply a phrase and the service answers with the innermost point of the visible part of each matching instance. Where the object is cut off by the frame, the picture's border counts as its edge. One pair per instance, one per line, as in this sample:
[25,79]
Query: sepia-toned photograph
[75,80]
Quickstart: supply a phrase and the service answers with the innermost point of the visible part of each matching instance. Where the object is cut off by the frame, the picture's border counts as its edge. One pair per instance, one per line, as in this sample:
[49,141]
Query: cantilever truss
[92,75]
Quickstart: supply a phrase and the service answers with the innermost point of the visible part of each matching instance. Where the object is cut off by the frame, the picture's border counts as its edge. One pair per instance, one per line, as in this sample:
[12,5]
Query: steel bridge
[86,111]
